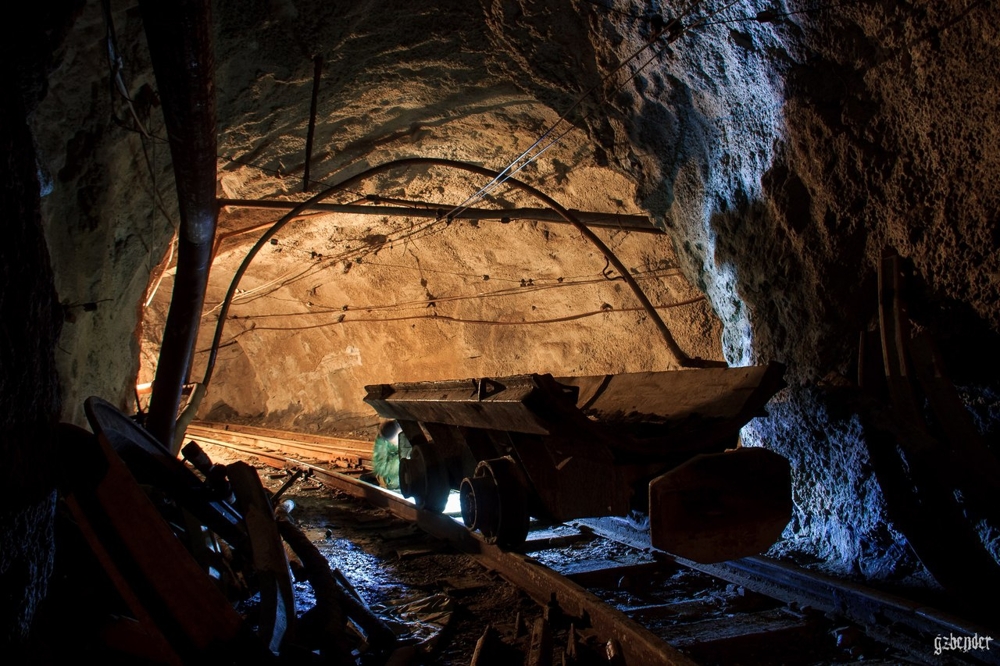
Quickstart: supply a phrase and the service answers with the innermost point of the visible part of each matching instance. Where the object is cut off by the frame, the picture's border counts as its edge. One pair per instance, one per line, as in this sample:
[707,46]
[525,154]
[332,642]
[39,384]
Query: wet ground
[428,593]
[443,601]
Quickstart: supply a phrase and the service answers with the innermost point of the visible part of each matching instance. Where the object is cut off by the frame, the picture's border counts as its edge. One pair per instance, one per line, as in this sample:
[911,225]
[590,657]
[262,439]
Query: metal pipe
[682,359]
[180,45]
[317,73]
[639,223]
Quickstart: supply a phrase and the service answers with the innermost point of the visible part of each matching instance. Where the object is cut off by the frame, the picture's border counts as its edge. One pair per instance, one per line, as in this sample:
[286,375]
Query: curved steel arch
[682,359]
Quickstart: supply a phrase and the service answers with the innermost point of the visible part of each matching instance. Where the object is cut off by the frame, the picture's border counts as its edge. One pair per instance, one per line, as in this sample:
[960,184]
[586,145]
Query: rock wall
[802,148]
[784,155]
[107,203]
[339,302]
[30,320]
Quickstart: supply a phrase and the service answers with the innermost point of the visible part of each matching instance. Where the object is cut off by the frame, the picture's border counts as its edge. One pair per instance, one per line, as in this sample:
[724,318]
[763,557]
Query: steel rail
[904,624]
[638,644]
[638,223]
[901,623]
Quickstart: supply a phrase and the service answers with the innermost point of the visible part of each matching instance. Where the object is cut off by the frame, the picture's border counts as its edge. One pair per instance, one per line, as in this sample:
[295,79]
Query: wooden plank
[266,434]
[915,469]
[603,574]
[354,456]
[347,446]
[776,636]
[894,327]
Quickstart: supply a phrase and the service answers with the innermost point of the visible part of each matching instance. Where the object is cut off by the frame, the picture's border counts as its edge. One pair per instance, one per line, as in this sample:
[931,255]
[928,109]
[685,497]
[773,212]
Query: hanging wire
[673,29]
[116,82]
[343,319]
[319,309]
[118,89]
[294,275]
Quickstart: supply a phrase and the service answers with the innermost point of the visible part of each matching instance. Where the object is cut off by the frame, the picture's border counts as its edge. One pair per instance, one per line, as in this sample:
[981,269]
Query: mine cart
[572,447]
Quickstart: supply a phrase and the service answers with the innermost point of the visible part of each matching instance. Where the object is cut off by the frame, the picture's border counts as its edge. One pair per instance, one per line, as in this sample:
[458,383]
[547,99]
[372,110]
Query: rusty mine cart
[574,447]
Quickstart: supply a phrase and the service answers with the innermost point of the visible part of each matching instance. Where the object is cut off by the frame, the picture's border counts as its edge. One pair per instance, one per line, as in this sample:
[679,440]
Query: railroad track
[661,610]
[345,454]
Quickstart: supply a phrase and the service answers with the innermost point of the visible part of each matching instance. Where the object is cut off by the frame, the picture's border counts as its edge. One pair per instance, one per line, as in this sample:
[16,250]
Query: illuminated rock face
[780,157]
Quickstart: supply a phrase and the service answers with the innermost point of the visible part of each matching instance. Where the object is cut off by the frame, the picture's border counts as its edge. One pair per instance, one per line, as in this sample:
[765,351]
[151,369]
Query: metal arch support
[683,360]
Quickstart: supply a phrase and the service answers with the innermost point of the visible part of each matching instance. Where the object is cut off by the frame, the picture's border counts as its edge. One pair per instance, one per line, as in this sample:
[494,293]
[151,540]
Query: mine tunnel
[509,331]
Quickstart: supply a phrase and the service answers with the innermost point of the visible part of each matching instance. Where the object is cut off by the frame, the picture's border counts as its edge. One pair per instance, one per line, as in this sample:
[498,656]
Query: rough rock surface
[782,157]
[339,302]
[30,319]
[785,156]
[103,225]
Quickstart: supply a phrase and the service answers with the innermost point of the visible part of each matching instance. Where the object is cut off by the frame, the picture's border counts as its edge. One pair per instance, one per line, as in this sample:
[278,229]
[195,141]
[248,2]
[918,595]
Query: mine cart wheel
[494,502]
[423,476]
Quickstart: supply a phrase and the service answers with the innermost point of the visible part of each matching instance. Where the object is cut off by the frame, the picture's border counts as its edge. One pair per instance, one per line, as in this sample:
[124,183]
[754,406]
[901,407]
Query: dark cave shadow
[969,345]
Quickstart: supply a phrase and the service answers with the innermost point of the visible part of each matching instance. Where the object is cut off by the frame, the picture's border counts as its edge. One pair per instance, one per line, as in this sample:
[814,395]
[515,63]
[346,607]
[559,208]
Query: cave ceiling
[340,301]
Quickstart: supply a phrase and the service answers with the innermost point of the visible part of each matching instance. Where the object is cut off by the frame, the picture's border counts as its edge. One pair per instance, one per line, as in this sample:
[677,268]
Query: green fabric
[385,459]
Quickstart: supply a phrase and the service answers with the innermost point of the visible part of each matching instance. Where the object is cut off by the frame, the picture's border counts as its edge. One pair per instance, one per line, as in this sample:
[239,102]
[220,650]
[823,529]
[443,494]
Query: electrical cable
[423,303]
[487,322]
[674,29]
[291,276]
[116,68]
